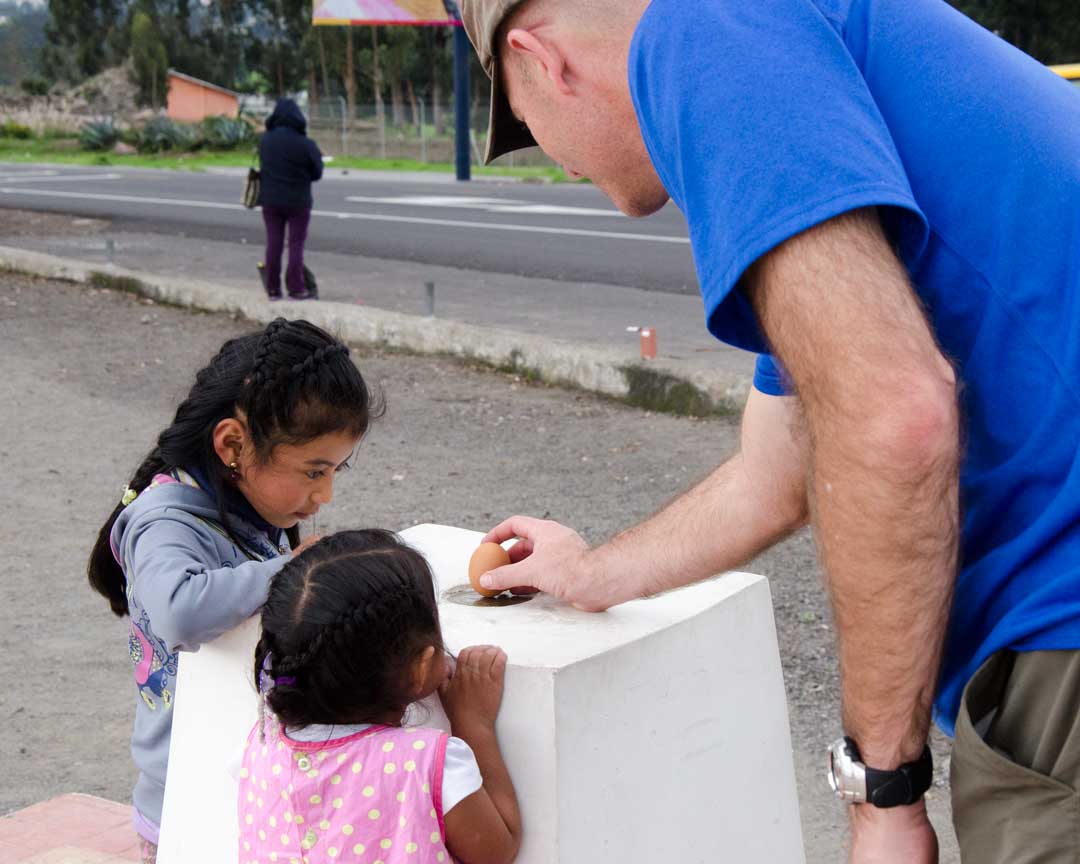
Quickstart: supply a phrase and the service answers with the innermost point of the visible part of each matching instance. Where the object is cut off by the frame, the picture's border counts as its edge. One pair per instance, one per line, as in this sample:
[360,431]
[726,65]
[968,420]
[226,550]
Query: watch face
[847,776]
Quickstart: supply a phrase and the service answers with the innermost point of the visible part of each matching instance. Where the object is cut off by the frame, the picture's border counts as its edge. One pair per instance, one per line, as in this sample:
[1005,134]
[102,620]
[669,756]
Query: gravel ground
[91,376]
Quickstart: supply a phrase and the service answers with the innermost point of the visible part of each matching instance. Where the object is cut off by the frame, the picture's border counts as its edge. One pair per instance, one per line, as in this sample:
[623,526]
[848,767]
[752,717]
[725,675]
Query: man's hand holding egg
[552,558]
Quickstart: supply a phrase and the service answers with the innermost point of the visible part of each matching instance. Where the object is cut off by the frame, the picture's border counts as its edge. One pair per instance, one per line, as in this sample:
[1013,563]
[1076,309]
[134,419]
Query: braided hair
[341,627]
[292,382]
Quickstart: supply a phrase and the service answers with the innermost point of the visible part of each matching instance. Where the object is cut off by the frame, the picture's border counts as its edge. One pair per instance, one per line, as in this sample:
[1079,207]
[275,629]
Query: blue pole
[461,103]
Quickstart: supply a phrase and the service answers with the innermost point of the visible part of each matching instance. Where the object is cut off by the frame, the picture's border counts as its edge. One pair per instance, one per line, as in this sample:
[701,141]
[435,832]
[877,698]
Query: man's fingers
[511,576]
[515,526]
[520,550]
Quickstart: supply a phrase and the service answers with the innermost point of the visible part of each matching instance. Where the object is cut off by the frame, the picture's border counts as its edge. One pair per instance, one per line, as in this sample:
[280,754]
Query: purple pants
[275,219]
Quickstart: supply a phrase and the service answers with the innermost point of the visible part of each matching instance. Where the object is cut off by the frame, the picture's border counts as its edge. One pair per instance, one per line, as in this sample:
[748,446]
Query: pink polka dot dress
[370,798]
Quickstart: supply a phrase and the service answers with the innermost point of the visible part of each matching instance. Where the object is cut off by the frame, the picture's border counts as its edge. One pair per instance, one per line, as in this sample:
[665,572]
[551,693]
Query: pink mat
[69,829]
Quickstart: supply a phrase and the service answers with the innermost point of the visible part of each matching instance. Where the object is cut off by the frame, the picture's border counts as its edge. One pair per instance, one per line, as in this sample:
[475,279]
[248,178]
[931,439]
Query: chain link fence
[422,131]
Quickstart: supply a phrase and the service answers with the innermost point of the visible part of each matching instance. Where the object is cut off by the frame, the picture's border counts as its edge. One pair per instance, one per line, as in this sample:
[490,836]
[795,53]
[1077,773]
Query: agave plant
[161,134]
[226,133]
[98,135]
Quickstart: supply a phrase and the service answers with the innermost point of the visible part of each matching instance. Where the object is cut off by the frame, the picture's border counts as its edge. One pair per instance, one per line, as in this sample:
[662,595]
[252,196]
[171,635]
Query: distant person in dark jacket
[290,162]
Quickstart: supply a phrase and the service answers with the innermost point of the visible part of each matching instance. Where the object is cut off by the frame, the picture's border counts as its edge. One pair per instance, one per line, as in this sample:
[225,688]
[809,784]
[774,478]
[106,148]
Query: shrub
[54,133]
[11,129]
[161,134]
[98,135]
[34,86]
[225,133]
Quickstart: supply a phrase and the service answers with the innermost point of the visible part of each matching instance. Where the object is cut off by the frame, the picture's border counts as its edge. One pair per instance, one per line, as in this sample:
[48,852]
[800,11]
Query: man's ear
[541,54]
[231,440]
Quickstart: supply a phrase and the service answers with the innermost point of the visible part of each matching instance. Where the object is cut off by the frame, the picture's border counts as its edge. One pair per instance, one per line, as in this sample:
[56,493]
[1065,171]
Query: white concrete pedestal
[654,732]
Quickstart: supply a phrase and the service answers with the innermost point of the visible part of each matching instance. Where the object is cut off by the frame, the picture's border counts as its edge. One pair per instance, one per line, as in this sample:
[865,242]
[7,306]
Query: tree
[83,37]
[348,74]
[149,58]
[1048,30]
[401,45]
[22,36]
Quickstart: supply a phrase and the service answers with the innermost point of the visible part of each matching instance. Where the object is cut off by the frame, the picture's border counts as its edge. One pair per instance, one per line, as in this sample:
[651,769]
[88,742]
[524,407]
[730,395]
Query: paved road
[564,232]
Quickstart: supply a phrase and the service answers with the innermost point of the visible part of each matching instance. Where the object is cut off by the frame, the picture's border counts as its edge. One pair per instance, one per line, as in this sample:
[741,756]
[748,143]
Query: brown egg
[487,556]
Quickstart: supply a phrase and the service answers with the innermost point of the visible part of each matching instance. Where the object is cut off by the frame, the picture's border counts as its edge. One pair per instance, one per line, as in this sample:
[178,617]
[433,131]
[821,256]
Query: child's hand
[306,543]
[472,696]
[486,826]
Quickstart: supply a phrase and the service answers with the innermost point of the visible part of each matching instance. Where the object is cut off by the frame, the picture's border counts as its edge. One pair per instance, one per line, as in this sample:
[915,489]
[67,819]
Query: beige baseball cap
[482,19]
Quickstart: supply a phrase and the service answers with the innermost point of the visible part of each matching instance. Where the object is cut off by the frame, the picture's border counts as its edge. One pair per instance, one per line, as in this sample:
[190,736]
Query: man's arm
[750,502]
[881,412]
[880,405]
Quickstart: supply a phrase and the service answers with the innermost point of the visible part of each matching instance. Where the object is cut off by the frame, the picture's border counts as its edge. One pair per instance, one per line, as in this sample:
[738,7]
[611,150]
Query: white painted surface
[366,217]
[656,731]
[492,205]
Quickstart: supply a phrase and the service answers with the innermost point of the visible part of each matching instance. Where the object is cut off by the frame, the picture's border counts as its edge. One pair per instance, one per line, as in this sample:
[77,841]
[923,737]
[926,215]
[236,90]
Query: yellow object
[1069,71]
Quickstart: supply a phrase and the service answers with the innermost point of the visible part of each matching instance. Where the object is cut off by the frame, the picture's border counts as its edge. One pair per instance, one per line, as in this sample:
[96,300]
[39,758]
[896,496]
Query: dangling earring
[234,471]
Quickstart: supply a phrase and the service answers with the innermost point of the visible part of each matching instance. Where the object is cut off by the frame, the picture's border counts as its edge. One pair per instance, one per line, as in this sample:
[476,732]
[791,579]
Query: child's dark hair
[292,382]
[342,624]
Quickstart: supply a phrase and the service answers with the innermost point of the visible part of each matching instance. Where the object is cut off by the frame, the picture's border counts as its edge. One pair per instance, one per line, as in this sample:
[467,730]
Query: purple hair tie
[284,680]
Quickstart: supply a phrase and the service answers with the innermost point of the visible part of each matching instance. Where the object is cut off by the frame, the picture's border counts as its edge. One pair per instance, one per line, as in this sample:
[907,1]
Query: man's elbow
[793,513]
[919,432]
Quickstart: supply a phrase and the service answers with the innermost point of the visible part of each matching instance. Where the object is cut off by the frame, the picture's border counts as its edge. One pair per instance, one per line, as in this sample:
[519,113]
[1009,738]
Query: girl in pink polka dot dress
[350,638]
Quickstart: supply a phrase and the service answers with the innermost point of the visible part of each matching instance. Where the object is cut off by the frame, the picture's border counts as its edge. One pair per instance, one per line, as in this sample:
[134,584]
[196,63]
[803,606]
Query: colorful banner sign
[382,12]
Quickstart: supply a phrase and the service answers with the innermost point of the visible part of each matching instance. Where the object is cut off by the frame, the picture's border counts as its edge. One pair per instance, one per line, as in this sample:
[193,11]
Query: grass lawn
[65,151]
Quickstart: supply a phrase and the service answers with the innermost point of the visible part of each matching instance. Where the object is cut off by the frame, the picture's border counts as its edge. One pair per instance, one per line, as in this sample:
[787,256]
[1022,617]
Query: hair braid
[264,350]
[240,381]
[391,604]
[314,361]
[343,624]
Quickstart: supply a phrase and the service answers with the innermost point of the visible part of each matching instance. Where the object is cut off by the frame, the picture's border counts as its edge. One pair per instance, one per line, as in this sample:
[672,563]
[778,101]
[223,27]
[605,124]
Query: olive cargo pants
[1016,761]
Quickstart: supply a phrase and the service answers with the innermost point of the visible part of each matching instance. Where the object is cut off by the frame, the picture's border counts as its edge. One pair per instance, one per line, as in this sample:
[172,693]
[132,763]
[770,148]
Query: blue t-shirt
[765,118]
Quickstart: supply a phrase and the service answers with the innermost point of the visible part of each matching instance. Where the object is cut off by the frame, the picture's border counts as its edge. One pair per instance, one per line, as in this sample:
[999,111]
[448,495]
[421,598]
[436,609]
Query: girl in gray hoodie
[213,512]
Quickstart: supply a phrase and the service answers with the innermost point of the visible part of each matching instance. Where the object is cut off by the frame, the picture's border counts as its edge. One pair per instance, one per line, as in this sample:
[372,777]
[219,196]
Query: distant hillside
[22,34]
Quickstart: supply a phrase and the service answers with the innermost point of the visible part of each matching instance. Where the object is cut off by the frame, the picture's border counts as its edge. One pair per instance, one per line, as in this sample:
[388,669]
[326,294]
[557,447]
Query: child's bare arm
[484,828]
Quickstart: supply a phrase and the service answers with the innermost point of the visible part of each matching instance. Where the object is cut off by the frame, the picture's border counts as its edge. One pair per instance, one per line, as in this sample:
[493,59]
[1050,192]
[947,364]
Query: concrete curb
[657,385]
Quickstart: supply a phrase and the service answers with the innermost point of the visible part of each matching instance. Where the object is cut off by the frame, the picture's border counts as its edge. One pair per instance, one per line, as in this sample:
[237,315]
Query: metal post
[344,111]
[423,138]
[429,288]
[461,103]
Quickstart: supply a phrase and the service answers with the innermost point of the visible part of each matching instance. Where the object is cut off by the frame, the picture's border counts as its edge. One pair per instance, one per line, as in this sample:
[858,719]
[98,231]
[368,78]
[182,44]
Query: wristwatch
[855,783]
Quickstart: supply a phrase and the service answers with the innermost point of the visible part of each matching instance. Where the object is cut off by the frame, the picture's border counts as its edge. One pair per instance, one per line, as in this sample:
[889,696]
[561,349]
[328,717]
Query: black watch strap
[906,785]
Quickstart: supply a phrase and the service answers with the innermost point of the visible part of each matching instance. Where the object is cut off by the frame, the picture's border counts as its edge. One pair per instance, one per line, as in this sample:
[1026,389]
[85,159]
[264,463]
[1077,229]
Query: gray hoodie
[187,583]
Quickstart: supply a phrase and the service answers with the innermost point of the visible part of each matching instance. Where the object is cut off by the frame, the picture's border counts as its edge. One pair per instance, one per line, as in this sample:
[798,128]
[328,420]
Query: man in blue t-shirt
[884,203]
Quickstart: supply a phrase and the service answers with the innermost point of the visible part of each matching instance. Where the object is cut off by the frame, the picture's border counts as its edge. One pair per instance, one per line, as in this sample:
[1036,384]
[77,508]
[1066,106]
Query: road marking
[365,217]
[53,176]
[491,205]
[18,175]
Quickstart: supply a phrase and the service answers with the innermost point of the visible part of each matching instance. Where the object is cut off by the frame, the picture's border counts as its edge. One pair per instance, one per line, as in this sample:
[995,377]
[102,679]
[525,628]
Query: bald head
[597,19]
[562,67]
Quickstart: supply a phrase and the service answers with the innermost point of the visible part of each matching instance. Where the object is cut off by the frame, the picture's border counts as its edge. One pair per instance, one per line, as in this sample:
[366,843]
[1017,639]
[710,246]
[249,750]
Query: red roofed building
[191,99]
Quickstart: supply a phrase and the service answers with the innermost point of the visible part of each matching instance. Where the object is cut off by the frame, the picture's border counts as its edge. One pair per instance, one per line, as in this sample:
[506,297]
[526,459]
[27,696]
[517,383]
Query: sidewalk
[557,332]
[69,829]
